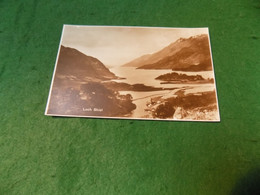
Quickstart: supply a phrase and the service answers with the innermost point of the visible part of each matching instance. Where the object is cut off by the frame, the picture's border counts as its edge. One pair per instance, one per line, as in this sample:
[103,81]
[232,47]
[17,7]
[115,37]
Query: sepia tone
[134,73]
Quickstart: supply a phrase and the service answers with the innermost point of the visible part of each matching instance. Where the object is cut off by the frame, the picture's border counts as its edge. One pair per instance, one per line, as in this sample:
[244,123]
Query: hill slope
[74,63]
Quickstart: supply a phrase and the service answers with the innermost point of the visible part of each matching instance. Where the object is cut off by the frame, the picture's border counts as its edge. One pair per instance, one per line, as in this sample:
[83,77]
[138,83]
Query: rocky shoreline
[199,106]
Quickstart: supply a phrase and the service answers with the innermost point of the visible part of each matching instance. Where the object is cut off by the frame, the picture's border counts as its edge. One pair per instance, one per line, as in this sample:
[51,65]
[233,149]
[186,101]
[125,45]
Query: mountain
[138,61]
[72,62]
[191,54]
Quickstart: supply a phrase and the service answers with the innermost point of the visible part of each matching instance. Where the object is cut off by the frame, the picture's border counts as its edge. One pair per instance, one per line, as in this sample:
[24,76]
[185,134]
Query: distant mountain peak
[187,54]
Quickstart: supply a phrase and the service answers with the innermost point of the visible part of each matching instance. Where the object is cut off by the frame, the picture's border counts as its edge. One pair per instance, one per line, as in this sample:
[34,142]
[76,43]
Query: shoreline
[147,106]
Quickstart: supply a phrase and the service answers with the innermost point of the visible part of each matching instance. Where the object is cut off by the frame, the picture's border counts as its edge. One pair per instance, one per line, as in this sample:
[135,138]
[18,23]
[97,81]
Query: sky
[115,45]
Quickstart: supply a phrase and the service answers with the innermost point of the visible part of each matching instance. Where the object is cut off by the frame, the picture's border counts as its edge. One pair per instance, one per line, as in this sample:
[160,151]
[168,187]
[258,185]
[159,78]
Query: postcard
[147,73]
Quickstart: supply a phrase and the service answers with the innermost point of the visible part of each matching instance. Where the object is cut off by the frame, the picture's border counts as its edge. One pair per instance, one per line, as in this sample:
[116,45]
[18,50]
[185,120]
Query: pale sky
[114,45]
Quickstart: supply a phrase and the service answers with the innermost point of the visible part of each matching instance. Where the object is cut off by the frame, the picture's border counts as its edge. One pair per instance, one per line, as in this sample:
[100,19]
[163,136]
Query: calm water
[134,76]
[147,77]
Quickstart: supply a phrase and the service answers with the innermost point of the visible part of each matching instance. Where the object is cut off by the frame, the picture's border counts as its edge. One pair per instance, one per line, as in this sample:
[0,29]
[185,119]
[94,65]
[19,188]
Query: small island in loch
[174,77]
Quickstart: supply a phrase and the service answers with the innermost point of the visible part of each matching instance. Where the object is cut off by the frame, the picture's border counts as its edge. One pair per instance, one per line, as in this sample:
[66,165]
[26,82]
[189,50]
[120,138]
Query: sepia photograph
[148,73]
